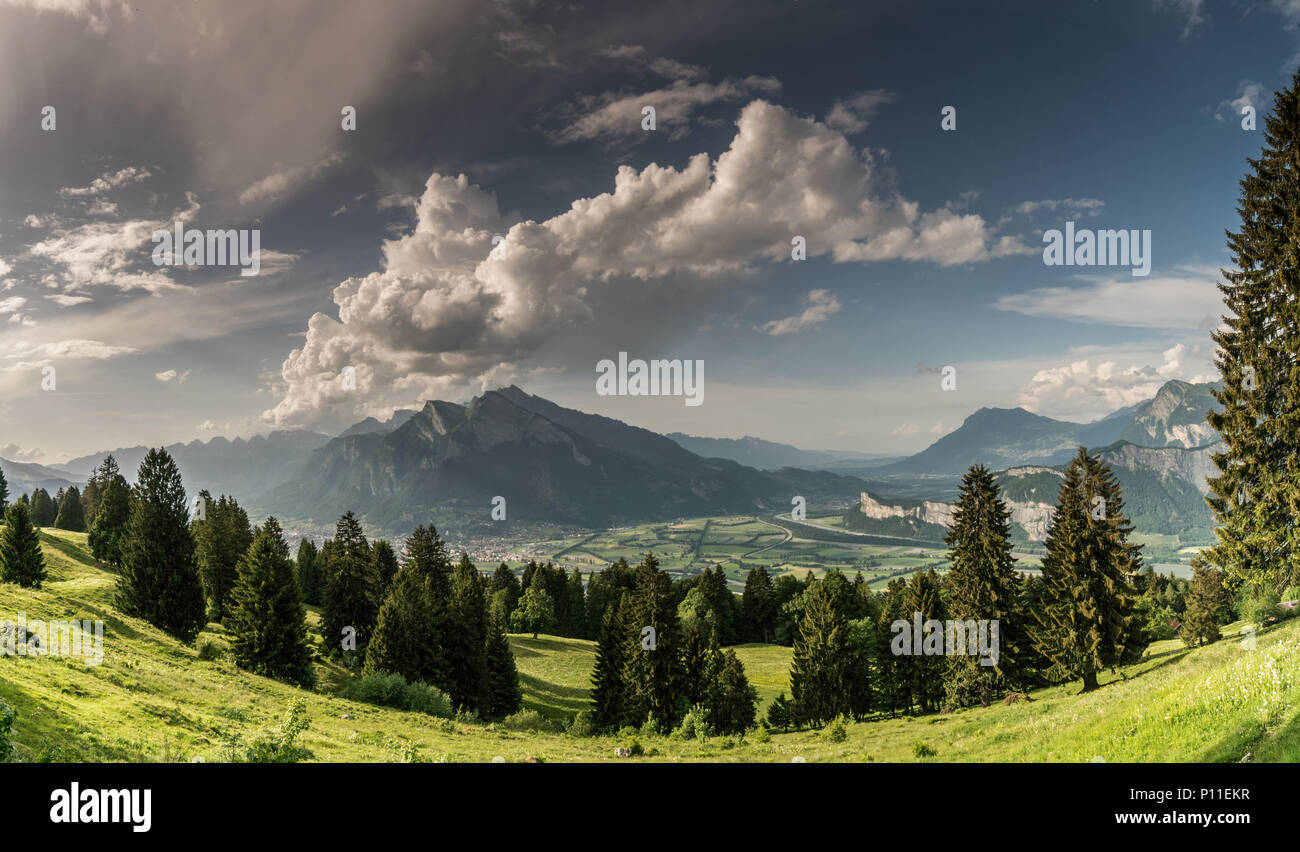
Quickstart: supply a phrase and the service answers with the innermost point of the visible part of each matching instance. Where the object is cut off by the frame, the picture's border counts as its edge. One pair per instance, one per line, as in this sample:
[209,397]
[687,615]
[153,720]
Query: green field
[152,699]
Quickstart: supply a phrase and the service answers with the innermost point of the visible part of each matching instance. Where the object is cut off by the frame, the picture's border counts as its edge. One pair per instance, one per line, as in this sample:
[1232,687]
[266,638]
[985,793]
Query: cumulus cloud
[905,429]
[13,452]
[1249,93]
[1088,389]
[11,305]
[447,309]
[821,304]
[1180,300]
[853,114]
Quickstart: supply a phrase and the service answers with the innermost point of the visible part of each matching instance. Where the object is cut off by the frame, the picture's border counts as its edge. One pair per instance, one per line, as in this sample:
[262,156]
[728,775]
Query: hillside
[152,699]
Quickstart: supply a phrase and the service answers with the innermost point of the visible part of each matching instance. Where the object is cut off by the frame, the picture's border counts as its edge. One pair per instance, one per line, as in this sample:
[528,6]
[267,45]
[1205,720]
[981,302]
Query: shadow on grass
[547,696]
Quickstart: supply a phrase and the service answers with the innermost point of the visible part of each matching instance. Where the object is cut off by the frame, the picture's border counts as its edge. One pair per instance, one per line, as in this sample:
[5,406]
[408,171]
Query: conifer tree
[893,680]
[267,621]
[983,586]
[308,572]
[221,540]
[758,613]
[732,702]
[651,671]
[503,695]
[607,676]
[700,663]
[113,508]
[1206,603]
[4,492]
[505,580]
[21,560]
[604,590]
[1086,621]
[819,676]
[43,508]
[412,620]
[71,516]
[1256,494]
[577,627]
[927,662]
[159,580]
[381,552]
[465,640]
[350,606]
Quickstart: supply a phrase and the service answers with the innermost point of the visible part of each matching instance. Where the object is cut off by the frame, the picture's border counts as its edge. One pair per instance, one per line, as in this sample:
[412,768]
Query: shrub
[525,720]
[280,745]
[695,724]
[392,690]
[762,735]
[212,649]
[582,724]
[634,745]
[923,750]
[837,732]
[650,729]
[7,716]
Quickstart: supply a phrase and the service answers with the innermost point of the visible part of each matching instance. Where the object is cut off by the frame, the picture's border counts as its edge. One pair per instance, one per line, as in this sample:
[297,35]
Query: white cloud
[853,114]
[12,304]
[106,182]
[165,375]
[937,428]
[905,429]
[1082,388]
[13,452]
[5,268]
[1249,93]
[96,13]
[1190,10]
[280,183]
[1181,300]
[38,354]
[442,313]
[1076,206]
[66,301]
[821,304]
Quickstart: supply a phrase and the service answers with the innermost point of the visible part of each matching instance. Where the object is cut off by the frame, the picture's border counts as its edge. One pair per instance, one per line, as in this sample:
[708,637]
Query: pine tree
[385,560]
[732,702]
[607,675]
[267,621]
[221,540]
[113,508]
[1256,496]
[412,619]
[819,676]
[503,694]
[983,586]
[699,664]
[894,683]
[350,606]
[43,508]
[159,580]
[758,613]
[1086,621]
[1205,606]
[926,668]
[605,590]
[21,560]
[577,627]
[465,640]
[71,515]
[720,601]
[308,572]
[651,670]
[4,492]
[91,499]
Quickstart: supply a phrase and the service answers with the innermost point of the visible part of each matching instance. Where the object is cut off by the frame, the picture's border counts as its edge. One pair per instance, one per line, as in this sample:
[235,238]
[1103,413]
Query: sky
[502,214]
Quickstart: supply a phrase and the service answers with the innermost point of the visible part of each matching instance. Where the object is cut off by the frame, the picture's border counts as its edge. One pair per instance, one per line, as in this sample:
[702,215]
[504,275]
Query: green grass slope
[153,699]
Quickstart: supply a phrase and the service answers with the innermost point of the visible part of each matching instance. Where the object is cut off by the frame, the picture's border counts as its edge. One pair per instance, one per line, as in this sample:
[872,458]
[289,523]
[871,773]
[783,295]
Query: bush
[392,690]
[634,745]
[7,716]
[923,750]
[525,720]
[650,729]
[280,745]
[582,724]
[762,735]
[695,724]
[212,649]
[837,733]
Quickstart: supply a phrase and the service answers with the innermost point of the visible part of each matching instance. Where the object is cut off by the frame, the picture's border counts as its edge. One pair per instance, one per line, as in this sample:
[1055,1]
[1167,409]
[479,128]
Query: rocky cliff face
[1032,516]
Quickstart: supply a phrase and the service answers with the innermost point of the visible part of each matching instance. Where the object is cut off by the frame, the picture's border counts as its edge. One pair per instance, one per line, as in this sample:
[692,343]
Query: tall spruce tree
[983,585]
[43,508]
[72,516]
[651,670]
[1256,495]
[21,560]
[308,572]
[221,540]
[350,606]
[412,619]
[381,552]
[465,640]
[113,508]
[159,580]
[1206,603]
[4,492]
[267,621]
[819,676]
[893,679]
[732,702]
[1086,621]
[607,688]
[758,610]
[503,695]
[927,662]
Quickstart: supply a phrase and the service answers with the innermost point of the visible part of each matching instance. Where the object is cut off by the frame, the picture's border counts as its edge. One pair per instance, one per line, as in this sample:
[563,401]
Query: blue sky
[774,118]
